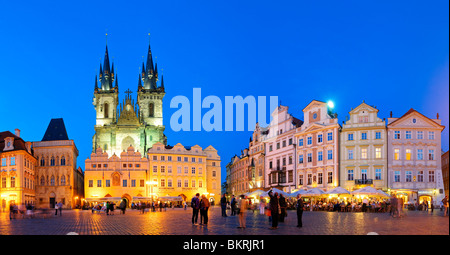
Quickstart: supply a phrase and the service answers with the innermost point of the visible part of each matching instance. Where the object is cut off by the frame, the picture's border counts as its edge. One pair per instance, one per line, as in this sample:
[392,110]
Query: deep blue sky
[392,54]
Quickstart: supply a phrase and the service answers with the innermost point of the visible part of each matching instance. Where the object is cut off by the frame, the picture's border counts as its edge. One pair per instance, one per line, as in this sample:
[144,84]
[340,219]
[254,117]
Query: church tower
[149,95]
[138,125]
[106,96]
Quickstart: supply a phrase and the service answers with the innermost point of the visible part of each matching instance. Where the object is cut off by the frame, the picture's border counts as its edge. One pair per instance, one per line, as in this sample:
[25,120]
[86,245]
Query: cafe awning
[168,198]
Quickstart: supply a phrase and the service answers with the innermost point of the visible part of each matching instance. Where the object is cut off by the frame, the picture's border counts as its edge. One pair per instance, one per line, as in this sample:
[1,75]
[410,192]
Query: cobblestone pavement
[178,222]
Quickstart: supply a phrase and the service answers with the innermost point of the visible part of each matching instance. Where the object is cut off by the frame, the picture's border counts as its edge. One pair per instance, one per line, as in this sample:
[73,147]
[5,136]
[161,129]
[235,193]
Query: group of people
[200,205]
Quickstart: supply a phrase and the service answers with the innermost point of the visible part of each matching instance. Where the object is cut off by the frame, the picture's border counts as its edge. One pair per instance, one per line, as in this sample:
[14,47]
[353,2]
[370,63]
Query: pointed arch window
[151,110]
[52,181]
[42,181]
[42,161]
[52,161]
[106,109]
[63,161]
[63,180]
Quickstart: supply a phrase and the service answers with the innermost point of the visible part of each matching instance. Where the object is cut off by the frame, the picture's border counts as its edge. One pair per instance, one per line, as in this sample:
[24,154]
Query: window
[309,157]
[52,181]
[290,141]
[408,176]
[309,179]
[330,154]
[320,178]
[420,176]
[396,134]
[278,146]
[420,154]
[300,142]
[200,184]
[300,179]
[169,158]
[169,169]
[363,153]
[63,161]
[169,183]
[179,183]
[431,176]
[99,183]
[378,152]
[408,134]
[319,156]
[193,184]
[193,160]
[397,176]
[377,135]
[408,154]
[364,174]
[179,169]
[124,183]
[186,183]
[270,148]
[133,183]
[13,161]
[141,183]
[290,160]
[350,137]
[350,175]
[300,159]
[4,161]
[52,161]
[107,183]
[13,182]
[378,174]
[364,136]
[163,169]
[163,158]
[431,135]
[397,154]
[430,154]
[163,183]
[179,159]
[284,143]
[363,119]
[155,158]
[200,171]
[186,159]
[193,170]
[330,136]
[419,134]
[350,154]
[151,110]
[330,177]
[319,138]
[186,170]
[155,169]
[91,183]
[309,140]
[63,180]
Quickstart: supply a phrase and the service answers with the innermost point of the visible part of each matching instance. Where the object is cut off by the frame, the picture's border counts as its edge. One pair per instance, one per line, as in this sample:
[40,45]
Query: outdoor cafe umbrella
[315,192]
[294,194]
[279,192]
[338,191]
[369,191]
[257,193]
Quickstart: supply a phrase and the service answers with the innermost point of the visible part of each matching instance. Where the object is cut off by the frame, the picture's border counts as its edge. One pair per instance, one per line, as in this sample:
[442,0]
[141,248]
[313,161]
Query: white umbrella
[294,194]
[383,193]
[315,192]
[279,192]
[257,193]
[368,190]
[338,191]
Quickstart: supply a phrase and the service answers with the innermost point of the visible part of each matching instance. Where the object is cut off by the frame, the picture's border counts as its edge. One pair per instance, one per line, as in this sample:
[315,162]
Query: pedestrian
[445,203]
[400,207]
[299,206]
[123,205]
[394,204]
[242,205]
[195,204]
[107,208]
[364,206]
[432,205]
[204,206]
[111,208]
[262,206]
[274,207]
[283,206]
[233,205]
[56,208]
[223,203]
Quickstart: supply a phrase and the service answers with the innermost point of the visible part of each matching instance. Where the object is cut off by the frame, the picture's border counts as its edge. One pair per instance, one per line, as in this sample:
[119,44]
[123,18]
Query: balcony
[363,181]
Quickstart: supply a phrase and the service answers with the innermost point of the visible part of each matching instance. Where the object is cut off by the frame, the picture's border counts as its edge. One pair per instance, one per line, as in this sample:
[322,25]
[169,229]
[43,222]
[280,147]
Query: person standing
[107,208]
[400,207]
[204,206]
[274,207]
[223,204]
[262,206]
[195,204]
[242,205]
[123,206]
[299,206]
[394,204]
[233,205]
[283,206]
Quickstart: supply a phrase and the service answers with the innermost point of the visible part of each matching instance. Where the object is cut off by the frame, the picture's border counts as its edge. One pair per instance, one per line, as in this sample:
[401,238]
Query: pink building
[318,148]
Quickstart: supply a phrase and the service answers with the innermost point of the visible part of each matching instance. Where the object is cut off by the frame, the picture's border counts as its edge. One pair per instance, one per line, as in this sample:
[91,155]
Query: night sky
[391,54]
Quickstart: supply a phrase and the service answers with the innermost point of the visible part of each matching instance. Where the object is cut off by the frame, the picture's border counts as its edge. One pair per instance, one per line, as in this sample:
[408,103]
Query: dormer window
[9,143]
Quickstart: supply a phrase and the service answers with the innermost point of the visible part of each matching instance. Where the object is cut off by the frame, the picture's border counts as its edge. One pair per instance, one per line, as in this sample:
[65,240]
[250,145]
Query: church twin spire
[106,76]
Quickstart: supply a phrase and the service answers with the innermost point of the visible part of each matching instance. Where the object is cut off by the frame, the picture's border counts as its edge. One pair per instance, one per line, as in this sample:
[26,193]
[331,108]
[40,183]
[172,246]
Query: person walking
[445,203]
[233,205]
[400,207]
[394,204]
[274,207]
[123,206]
[242,205]
[204,206]
[223,204]
[283,206]
[299,206]
[195,204]
[111,208]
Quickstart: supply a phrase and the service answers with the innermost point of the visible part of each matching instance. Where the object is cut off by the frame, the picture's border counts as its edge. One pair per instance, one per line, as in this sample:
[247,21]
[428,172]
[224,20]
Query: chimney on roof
[437,116]
[391,114]
[17,133]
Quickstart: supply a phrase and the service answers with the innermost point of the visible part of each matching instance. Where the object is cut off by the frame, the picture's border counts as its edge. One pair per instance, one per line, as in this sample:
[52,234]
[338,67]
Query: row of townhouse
[400,155]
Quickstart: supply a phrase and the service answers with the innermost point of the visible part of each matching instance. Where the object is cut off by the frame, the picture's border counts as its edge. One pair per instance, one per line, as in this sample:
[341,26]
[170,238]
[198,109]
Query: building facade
[256,171]
[239,174]
[280,149]
[58,178]
[363,150]
[318,148]
[119,126]
[445,171]
[414,157]
[18,170]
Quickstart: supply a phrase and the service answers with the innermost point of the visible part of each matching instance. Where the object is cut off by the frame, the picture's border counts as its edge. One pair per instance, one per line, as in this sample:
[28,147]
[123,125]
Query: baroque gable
[414,119]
